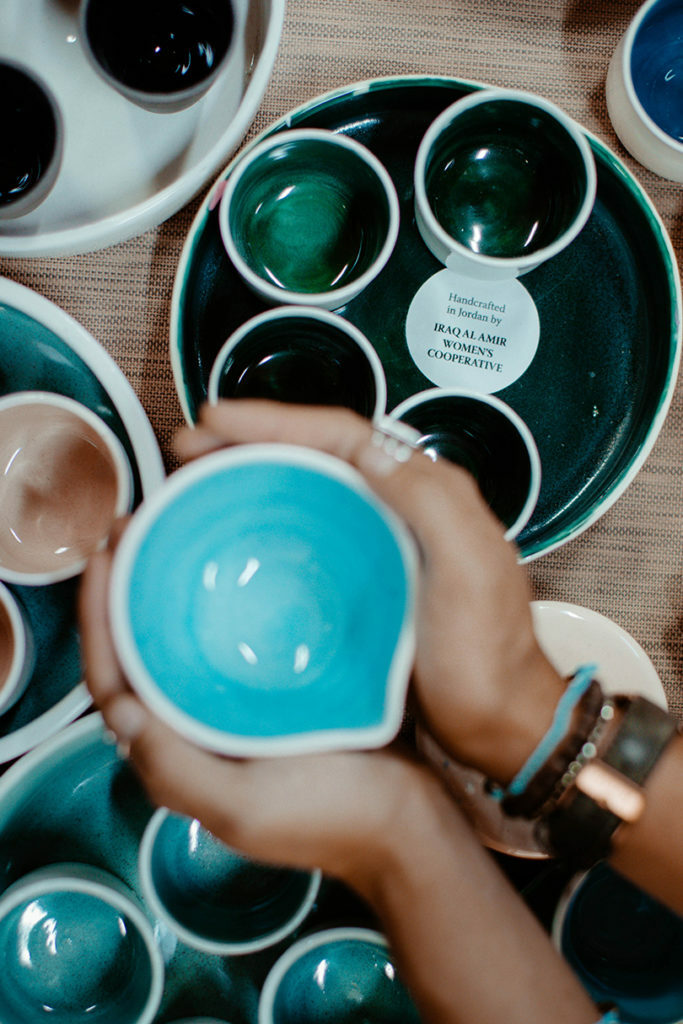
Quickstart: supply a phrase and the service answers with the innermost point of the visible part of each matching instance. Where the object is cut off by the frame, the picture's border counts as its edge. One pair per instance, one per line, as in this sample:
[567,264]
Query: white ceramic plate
[570,636]
[42,347]
[126,169]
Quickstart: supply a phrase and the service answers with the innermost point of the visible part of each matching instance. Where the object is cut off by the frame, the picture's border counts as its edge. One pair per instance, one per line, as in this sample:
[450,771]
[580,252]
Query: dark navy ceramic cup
[645,88]
[32,132]
[625,947]
[160,54]
[301,355]
[486,437]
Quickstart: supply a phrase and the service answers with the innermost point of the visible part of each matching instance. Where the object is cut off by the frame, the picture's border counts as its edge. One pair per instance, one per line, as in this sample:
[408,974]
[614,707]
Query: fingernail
[126,718]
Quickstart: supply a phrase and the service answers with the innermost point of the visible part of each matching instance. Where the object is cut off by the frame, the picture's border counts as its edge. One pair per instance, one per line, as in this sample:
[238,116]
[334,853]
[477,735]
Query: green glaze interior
[505,179]
[308,216]
[596,392]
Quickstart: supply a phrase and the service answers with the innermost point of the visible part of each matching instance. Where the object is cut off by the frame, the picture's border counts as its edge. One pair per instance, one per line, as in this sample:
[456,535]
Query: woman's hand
[333,811]
[485,690]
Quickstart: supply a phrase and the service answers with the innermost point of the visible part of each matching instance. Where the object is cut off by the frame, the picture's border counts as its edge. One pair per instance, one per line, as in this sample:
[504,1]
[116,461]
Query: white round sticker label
[480,335]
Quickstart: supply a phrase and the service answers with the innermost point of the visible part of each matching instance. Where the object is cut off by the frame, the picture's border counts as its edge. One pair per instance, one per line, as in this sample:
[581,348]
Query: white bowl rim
[122,468]
[517,422]
[103,885]
[219,740]
[22,650]
[194,939]
[485,95]
[303,946]
[313,313]
[333,298]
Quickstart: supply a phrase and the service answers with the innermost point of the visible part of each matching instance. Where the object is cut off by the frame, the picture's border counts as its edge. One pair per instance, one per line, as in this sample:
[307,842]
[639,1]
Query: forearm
[468,948]
[650,851]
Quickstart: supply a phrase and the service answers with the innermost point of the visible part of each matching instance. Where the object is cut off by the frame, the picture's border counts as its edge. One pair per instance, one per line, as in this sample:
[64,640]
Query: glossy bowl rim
[195,939]
[313,313]
[333,298]
[236,744]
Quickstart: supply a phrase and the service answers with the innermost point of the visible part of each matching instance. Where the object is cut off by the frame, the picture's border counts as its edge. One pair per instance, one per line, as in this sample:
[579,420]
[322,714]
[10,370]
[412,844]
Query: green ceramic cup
[309,217]
[504,180]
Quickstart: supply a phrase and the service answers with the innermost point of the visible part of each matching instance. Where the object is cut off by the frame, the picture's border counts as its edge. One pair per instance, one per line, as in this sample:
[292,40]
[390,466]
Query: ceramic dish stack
[125,169]
[597,388]
[44,349]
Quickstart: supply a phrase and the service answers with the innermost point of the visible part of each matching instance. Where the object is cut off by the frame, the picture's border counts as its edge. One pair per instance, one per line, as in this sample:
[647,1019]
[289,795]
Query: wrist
[402,851]
[518,727]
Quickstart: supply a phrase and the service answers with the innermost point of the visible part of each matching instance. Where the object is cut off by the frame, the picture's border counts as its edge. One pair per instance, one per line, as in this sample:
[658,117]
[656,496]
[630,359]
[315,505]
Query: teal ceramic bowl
[625,947]
[76,947]
[212,897]
[43,349]
[336,976]
[262,603]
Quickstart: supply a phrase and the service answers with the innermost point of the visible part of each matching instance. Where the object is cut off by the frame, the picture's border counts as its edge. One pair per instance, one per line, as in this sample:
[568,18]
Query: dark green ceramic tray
[596,393]
[44,349]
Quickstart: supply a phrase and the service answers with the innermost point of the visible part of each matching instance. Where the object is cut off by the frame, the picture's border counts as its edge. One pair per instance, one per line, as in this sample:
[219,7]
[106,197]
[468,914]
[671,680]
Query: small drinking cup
[17,651]
[504,180]
[625,947]
[303,355]
[162,55]
[65,479]
[32,131]
[213,898]
[76,946]
[489,439]
[341,975]
[645,88]
[309,217]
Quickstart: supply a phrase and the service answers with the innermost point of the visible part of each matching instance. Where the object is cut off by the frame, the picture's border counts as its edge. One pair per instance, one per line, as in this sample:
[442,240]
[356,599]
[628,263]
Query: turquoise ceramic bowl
[336,976]
[262,603]
[213,898]
[76,947]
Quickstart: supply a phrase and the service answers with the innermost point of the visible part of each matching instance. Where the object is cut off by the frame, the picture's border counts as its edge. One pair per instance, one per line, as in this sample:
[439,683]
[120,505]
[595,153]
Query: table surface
[628,565]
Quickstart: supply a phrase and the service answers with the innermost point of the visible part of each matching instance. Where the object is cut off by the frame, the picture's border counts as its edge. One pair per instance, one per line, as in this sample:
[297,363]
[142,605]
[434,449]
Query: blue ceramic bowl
[657,63]
[625,947]
[76,947]
[336,976]
[213,898]
[262,603]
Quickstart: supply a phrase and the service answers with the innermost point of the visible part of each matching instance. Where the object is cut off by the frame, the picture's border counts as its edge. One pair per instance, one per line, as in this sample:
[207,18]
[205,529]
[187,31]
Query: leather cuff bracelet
[607,788]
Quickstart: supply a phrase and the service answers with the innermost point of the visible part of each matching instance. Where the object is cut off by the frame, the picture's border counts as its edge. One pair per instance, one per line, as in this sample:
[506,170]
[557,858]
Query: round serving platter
[126,169]
[43,348]
[74,798]
[598,388]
